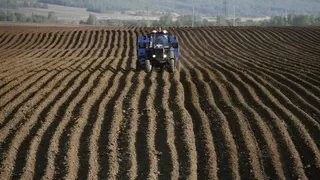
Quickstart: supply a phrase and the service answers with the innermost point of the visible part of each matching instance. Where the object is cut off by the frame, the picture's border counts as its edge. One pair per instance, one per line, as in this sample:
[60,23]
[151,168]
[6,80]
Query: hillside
[202,7]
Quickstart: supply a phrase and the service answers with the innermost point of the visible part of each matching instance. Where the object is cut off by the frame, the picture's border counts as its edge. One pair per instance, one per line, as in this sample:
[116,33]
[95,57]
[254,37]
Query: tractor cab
[159,40]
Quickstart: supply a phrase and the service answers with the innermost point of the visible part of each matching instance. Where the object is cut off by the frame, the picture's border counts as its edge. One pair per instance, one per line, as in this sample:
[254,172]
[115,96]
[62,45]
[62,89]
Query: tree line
[20,17]
[9,4]
[186,20]
[248,8]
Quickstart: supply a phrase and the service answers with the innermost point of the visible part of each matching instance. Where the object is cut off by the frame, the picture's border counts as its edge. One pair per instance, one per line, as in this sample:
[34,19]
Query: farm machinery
[158,48]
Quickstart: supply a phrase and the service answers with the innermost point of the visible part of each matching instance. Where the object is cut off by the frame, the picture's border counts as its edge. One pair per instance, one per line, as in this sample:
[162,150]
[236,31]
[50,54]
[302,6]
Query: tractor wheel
[172,65]
[148,65]
[138,66]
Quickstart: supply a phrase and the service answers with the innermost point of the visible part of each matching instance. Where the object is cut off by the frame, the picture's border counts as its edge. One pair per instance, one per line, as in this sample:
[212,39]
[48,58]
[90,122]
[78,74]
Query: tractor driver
[161,40]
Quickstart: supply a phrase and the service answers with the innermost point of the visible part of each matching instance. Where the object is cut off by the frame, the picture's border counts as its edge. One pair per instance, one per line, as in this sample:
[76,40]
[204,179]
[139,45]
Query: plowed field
[245,104]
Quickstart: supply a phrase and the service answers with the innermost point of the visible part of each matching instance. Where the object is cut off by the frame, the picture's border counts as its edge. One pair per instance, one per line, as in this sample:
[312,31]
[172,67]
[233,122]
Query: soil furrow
[184,141]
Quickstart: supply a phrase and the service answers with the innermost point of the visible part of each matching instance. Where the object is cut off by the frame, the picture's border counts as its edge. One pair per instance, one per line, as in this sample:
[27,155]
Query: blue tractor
[158,48]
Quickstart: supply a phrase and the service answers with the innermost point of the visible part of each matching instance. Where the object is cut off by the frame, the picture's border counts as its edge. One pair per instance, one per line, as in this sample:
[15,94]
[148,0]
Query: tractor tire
[172,65]
[138,66]
[148,66]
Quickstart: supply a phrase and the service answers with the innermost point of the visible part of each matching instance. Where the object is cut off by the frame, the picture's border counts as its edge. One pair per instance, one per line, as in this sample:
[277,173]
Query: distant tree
[179,22]
[92,20]
[52,16]
[20,17]
[301,20]
[165,20]
[205,22]
[221,21]
[45,6]
[185,20]
[238,21]
[11,17]
[2,15]
[82,22]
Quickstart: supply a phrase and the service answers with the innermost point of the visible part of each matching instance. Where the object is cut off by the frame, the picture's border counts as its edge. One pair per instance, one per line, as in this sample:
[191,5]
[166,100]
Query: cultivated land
[245,104]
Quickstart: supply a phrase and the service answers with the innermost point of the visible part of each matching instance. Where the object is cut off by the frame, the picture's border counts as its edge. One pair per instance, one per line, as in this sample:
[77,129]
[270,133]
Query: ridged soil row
[260,124]
[286,115]
[50,112]
[270,51]
[244,140]
[225,149]
[76,125]
[27,53]
[5,37]
[18,41]
[18,48]
[298,88]
[37,132]
[82,147]
[204,140]
[74,44]
[75,136]
[71,39]
[51,48]
[303,43]
[118,120]
[82,43]
[62,37]
[151,126]
[40,40]
[308,37]
[21,82]
[11,41]
[283,79]
[11,38]
[70,117]
[185,138]
[18,89]
[312,33]
[13,161]
[61,48]
[168,160]
[268,152]
[310,109]
[19,107]
[283,66]
[278,58]
[8,102]
[86,48]
[270,40]
[285,88]
[98,43]
[119,152]
[128,166]
[39,64]
[313,41]
[65,111]
[20,79]
[105,144]
[184,135]
[143,154]
[96,114]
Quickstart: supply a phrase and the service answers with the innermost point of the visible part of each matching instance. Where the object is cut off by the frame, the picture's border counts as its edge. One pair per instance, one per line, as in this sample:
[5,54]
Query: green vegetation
[186,20]
[20,17]
[248,8]
[14,4]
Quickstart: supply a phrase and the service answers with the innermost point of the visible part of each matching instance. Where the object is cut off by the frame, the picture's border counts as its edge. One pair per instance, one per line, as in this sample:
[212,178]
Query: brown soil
[245,103]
